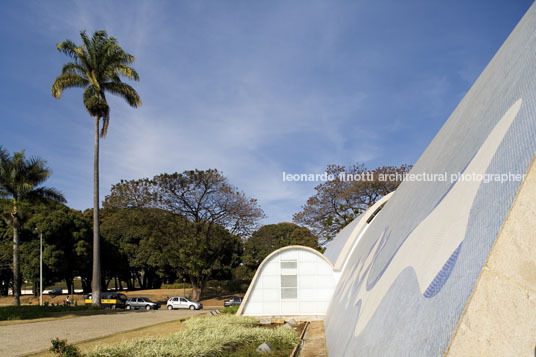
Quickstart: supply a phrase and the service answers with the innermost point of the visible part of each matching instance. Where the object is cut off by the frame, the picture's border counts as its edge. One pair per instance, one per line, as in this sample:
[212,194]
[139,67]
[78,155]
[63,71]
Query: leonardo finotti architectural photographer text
[417,177]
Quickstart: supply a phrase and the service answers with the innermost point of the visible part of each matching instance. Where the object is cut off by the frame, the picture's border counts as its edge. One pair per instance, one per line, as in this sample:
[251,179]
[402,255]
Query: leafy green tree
[97,65]
[203,251]
[66,246]
[20,180]
[138,235]
[205,206]
[131,194]
[157,243]
[352,191]
[67,243]
[29,264]
[6,256]
[271,237]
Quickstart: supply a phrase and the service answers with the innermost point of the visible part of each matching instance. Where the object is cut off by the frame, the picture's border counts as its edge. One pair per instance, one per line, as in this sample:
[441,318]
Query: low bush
[229,286]
[207,336]
[62,348]
[176,286]
[35,311]
[230,309]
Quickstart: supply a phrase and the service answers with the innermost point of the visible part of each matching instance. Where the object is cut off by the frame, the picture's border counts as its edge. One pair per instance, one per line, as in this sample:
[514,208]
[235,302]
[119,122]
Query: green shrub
[237,286]
[176,286]
[26,312]
[62,348]
[229,286]
[230,309]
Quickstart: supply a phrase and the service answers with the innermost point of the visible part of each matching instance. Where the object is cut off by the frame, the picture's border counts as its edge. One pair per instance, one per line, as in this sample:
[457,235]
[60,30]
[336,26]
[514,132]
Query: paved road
[21,339]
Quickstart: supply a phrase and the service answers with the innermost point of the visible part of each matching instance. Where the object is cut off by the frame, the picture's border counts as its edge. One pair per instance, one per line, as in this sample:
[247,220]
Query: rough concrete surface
[314,342]
[500,319]
[31,337]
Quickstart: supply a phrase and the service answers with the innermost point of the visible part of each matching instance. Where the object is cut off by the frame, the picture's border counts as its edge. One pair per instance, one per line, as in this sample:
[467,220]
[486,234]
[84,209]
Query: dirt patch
[31,300]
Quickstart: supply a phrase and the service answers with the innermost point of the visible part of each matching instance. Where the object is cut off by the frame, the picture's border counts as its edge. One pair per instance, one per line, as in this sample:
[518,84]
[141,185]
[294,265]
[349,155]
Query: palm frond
[89,92]
[4,154]
[85,40]
[73,68]
[116,57]
[100,38]
[105,124]
[91,58]
[44,194]
[67,80]
[69,48]
[125,91]
[36,171]
[105,119]
[124,70]
[99,63]
[96,48]
[20,179]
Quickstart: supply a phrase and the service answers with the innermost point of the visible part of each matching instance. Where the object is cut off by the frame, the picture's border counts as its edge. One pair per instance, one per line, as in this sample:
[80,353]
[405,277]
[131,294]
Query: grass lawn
[223,335]
[25,312]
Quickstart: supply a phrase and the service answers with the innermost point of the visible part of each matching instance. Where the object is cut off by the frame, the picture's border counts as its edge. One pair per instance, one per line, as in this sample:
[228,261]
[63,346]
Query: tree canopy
[206,217]
[21,182]
[199,195]
[352,191]
[97,66]
[274,236]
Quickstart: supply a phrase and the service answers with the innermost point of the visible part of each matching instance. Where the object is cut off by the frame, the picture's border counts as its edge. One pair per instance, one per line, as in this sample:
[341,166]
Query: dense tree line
[21,188]
[66,247]
[191,226]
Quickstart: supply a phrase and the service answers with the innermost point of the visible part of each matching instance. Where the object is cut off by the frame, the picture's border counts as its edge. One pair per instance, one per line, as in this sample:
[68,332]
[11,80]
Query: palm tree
[19,181]
[97,65]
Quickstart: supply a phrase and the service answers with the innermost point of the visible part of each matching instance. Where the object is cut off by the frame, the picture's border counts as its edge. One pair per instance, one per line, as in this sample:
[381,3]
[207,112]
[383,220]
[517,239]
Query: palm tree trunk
[96,278]
[16,263]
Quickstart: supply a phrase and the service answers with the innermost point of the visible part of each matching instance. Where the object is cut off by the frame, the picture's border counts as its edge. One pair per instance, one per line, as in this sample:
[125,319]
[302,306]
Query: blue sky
[252,88]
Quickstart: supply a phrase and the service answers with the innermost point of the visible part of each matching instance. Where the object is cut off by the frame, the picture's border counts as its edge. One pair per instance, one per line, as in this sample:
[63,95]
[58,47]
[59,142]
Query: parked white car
[178,302]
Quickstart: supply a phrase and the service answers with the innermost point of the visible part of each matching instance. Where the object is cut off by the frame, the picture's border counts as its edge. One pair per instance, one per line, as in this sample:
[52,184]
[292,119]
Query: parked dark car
[235,300]
[141,303]
[57,291]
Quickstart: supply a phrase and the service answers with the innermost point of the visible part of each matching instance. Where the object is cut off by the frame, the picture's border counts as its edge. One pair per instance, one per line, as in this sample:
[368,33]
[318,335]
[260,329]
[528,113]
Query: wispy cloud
[250,88]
